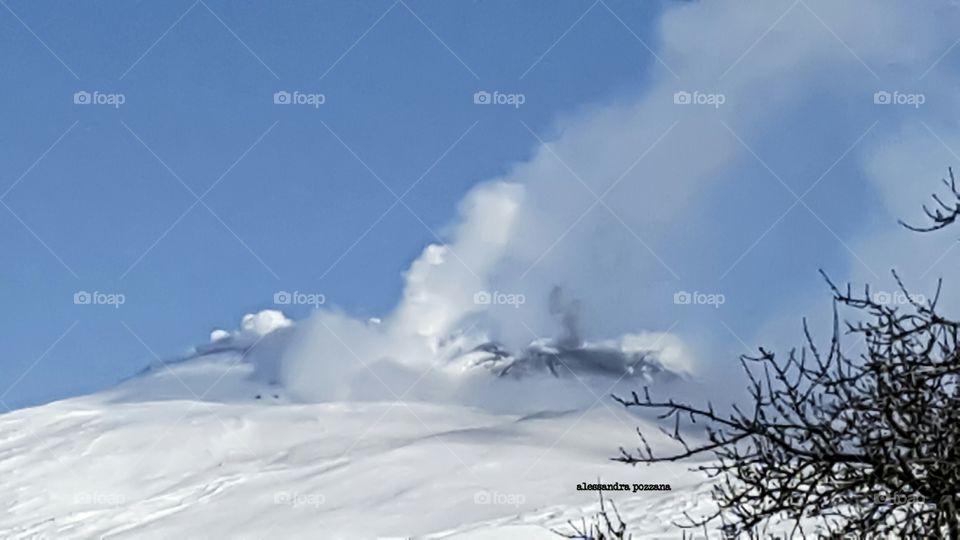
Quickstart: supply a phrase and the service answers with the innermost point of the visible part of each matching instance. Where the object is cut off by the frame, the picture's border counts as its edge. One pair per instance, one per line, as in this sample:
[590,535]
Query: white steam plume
[627,203]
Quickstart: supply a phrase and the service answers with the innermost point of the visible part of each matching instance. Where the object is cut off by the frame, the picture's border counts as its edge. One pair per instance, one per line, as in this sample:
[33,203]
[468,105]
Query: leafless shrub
[604,525]
[860,446]
[942,214]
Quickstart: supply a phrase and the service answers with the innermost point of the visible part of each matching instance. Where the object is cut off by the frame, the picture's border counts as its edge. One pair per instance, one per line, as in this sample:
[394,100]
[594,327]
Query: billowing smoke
[708,180]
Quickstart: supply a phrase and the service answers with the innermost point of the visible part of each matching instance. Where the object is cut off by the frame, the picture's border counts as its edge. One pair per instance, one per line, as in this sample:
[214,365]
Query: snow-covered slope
[201,449]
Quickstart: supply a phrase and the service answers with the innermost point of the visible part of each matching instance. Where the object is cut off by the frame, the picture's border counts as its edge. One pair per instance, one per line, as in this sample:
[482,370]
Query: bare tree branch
[868,445]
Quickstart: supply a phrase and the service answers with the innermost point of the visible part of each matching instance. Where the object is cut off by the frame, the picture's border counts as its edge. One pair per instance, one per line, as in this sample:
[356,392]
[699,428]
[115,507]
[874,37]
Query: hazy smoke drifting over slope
[625,204]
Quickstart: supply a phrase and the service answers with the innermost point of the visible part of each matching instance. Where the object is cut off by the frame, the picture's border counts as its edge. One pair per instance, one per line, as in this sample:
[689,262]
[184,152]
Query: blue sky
[94,193]
[198,198]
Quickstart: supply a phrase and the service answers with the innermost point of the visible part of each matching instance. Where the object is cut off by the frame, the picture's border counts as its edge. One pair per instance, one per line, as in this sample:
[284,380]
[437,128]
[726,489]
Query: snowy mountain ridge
[205,448]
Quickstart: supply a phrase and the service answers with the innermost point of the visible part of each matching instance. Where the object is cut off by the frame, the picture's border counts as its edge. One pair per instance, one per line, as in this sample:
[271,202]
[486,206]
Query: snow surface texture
[202,448]
[205,447]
